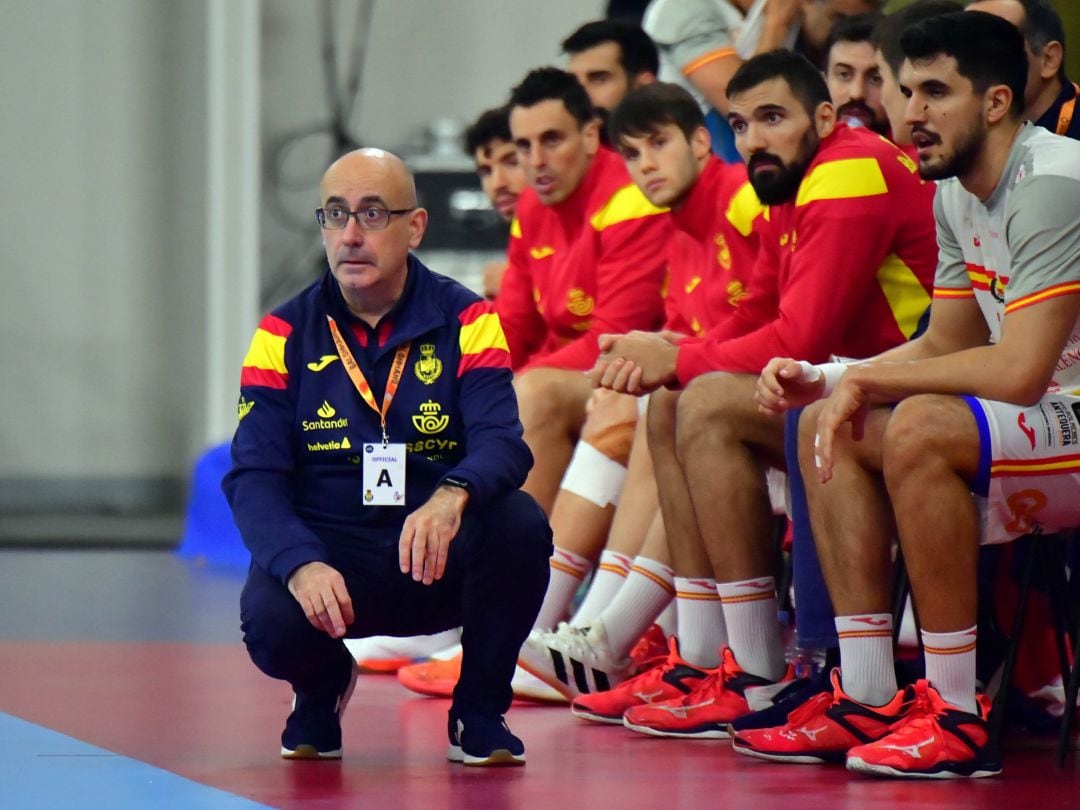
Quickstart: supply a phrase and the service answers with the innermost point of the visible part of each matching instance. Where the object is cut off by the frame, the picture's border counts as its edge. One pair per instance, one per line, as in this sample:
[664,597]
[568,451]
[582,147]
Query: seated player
[660,133]
[981,404]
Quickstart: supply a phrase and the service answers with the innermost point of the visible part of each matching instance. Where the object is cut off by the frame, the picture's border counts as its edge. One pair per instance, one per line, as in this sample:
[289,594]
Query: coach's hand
[322,594]
[425,538]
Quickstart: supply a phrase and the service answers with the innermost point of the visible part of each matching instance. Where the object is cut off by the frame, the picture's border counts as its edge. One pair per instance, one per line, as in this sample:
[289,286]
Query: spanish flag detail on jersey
[743,209]
[907,298]
[1065,288]
[625,204]
[953,292]
[264,364]
[483,344]
[843,179]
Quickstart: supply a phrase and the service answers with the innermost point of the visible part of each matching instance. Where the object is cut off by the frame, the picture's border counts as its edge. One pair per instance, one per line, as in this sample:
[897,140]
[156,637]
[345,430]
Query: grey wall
[103,208]
[101,237]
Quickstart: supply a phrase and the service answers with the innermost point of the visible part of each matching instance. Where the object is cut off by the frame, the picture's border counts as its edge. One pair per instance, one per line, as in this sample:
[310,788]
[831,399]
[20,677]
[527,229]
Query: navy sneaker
[313,730]
[479,740]
[787,700]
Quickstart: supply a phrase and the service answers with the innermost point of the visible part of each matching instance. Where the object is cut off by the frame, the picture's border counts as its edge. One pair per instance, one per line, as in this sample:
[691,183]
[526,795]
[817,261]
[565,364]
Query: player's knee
[545,399]
[706,412]
[609,428]
[921,431]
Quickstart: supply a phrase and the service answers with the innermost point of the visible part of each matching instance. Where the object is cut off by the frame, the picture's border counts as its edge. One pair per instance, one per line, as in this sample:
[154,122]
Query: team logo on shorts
[428,367]
[1021,422]
[1023,505]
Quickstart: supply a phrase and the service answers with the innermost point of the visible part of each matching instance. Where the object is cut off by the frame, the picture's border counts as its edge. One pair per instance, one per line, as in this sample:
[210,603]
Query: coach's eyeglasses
[370,218]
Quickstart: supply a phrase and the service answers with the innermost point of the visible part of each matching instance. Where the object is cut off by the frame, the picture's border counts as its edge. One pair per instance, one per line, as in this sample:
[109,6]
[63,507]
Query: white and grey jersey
[1022,245]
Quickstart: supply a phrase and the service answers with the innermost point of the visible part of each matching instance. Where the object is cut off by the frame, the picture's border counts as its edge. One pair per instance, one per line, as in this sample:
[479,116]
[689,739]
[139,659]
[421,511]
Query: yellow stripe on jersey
[484,333]
[842,180]
[267,351]
[515,228]
[625,204]
[907,297]
[744,208]
[1067,288]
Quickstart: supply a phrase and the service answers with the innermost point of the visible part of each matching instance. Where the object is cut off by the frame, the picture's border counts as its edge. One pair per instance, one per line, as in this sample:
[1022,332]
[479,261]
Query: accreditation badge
[384,474]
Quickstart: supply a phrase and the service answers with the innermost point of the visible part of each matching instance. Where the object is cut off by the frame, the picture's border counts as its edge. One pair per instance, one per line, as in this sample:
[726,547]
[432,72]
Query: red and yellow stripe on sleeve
[482,342]
[1065,288]
[953,292]
[264,364]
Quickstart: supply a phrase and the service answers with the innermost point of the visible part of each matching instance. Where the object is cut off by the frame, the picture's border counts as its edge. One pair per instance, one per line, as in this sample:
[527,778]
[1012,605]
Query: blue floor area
[47,770]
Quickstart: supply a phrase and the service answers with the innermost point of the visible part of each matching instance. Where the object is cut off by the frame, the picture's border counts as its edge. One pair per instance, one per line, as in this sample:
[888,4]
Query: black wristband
[450,481]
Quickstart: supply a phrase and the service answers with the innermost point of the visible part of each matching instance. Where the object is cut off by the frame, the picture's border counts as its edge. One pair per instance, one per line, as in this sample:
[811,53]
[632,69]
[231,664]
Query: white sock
[568,570]
[866,657]
[753,630]
[639,601]
[611,573]
[950,666]
[702,631]
[668,619]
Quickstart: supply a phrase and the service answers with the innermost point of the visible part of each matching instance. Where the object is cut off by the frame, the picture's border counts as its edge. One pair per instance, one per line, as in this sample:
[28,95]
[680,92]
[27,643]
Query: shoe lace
[813,707]
[918,711]
[576,642]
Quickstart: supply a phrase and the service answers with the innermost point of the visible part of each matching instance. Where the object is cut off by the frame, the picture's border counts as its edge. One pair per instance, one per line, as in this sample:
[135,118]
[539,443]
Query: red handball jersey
[713,249]
[591,264]
[845,268]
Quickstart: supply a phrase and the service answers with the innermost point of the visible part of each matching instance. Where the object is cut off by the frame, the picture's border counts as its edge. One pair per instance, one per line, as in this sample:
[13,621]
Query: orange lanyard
[1066,114]
[361,383]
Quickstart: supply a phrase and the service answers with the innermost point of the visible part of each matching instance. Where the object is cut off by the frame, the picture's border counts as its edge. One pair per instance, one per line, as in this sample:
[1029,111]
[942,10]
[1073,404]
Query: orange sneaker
[672,679]
[823,729]
[436,677]
[934,740]
[704,713]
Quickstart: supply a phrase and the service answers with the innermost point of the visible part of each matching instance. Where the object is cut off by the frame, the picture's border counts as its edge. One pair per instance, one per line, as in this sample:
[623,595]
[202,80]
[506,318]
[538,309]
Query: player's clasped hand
[785,384]
[321,592]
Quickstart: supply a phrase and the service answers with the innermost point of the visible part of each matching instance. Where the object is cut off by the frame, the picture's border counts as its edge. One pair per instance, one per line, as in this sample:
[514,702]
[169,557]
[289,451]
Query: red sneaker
[651,649]
[935,740]
[823,729]
[672,679]
[705,712]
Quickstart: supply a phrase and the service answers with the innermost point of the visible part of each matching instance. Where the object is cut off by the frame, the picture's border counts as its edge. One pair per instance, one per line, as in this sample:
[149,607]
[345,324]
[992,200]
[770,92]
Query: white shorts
[1029,466]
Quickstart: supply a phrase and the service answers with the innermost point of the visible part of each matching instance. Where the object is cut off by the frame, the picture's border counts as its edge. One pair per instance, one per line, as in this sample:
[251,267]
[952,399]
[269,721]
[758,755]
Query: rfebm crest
[428,367]
[429,420]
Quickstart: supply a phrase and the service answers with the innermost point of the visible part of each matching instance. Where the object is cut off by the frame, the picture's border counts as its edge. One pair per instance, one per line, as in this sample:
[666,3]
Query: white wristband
[810,372]
[832,373]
